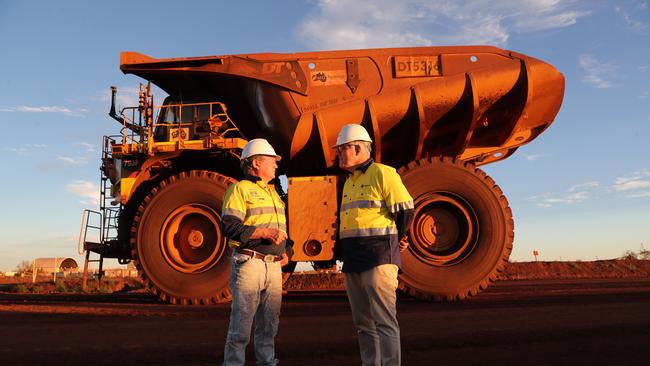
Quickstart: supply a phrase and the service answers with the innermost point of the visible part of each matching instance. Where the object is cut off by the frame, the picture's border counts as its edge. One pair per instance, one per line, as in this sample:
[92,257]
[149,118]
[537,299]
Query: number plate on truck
[415,66]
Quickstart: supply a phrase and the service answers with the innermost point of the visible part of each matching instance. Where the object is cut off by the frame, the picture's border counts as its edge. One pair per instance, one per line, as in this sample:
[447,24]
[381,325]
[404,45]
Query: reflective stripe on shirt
[363,204]
[373,231]
[370,198]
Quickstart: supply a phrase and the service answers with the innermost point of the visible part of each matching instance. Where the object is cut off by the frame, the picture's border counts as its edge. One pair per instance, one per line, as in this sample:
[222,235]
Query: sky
[580,191]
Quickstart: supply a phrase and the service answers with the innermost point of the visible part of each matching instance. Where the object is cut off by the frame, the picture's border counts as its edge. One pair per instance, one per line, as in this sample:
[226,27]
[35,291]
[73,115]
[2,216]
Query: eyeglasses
[342,148]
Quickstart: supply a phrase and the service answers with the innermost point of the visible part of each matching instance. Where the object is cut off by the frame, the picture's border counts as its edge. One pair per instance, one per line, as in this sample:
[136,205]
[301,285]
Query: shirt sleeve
[233,213]
[397,199]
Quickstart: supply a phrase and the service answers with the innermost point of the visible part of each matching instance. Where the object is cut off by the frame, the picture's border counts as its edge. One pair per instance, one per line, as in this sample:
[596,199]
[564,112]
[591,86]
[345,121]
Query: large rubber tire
[176,240]
[462,232]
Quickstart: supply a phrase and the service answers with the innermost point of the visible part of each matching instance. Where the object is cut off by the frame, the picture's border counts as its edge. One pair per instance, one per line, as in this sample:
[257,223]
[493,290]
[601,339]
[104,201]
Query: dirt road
[598,322]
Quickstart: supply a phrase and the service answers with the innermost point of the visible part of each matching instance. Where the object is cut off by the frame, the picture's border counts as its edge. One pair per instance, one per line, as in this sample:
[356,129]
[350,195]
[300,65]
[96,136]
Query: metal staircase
[99,231]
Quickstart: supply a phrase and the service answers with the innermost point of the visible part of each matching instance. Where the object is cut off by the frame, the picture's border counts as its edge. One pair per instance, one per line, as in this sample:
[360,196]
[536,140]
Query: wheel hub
[195,239]
[444,229]
[191,240]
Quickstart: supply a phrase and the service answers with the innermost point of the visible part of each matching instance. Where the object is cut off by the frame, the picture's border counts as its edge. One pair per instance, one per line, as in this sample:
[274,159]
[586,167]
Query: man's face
[349,155]
[265,167]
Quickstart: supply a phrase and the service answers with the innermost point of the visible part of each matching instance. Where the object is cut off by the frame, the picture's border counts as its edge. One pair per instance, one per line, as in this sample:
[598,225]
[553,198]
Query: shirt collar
[363,167]
[252,178]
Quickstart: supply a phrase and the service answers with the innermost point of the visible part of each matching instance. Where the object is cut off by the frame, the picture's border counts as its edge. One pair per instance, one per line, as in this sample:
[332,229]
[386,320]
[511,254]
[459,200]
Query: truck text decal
[415,66]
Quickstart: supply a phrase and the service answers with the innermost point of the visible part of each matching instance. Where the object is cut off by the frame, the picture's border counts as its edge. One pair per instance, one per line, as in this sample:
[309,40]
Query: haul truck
[434,113]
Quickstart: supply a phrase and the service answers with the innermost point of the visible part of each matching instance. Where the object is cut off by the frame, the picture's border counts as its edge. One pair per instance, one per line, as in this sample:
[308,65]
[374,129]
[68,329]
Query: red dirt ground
[611,269]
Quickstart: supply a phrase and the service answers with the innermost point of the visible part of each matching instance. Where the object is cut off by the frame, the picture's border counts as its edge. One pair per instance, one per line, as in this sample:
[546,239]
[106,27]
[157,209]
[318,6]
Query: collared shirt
[376,211]
[249,204]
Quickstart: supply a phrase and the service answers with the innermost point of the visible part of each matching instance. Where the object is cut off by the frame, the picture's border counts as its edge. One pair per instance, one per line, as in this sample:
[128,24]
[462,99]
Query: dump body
[477,103]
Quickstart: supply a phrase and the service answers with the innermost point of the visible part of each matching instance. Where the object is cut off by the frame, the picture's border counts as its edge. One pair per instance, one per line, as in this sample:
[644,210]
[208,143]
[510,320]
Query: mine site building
[55,265]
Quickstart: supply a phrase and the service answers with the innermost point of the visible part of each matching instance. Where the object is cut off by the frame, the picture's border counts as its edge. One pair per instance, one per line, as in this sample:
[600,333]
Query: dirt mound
[614,268]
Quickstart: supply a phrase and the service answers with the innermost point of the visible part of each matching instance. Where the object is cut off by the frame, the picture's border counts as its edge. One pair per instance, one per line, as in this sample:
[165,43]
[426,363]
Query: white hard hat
[258,147]
[351,133]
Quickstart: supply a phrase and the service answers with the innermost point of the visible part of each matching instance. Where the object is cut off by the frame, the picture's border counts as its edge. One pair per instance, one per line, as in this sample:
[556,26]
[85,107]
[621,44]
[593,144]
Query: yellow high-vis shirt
[369,201]
[376,212]
[249,204]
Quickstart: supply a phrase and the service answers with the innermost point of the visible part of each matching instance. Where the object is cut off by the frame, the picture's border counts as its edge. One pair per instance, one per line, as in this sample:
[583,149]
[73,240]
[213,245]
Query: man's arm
[399,202]
[403,220]
[234,228]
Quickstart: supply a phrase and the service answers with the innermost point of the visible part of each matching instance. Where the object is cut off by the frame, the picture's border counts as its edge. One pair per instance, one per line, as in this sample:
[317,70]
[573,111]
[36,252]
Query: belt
[269,258]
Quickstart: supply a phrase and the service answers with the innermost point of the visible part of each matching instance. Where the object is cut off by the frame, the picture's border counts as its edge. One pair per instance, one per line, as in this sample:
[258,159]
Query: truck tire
[462,231]
[176,239]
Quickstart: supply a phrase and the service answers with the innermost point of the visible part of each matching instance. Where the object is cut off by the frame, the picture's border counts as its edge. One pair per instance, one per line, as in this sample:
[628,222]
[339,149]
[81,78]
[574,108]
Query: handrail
[85,224]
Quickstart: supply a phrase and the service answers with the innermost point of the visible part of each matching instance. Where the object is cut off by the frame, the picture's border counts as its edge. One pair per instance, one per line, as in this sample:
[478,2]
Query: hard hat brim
[277,157]
[349,142]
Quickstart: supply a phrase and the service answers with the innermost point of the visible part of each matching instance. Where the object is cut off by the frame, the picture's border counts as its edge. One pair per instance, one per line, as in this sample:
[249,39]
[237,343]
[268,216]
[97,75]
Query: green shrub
[61,286]
[21,288]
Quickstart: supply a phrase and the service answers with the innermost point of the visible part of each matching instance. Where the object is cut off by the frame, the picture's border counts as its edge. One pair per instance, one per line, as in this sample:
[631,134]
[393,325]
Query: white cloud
[629,184]
[587,185]
[385,23]
[597,73]
[531,157]
[637,185]
[638,194]
[73,161]
[46,109]
[127,96]
[26,148]
[89,147]
[569,198]
[87,191]
[632,22]
[575,194]
[82,156]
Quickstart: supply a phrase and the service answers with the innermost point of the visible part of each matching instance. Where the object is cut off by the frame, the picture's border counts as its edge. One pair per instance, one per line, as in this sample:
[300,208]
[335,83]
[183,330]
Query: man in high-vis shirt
[374,218]
[253,219]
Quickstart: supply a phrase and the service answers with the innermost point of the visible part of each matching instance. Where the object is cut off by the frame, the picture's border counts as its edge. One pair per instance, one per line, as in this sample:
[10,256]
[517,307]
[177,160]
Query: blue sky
[579,191]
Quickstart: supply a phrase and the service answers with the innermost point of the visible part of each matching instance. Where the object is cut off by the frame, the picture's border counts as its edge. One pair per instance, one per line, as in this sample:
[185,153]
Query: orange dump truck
[435,113]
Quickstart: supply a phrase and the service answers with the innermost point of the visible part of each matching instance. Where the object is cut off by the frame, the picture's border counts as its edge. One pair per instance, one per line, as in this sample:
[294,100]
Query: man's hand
[403,243]
[285,260]
[276,236]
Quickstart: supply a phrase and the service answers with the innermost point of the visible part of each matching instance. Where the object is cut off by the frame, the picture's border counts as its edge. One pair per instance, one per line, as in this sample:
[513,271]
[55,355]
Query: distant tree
[644,253]
[24,267]
[629,255]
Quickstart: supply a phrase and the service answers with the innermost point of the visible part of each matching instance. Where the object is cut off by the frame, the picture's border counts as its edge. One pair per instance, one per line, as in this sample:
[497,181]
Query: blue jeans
[256,294]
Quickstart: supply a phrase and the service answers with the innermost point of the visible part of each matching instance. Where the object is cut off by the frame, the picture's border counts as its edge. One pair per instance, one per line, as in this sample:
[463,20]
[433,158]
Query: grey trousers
[372,296]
